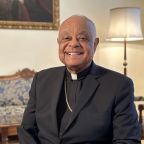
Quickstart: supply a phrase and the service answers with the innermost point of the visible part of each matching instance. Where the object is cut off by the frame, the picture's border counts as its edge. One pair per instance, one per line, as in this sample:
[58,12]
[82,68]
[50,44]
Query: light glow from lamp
[125,25]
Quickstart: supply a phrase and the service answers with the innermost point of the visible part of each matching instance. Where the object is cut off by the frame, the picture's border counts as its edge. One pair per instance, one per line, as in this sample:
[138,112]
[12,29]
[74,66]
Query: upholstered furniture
[141,119]
[14,91]
[139,102]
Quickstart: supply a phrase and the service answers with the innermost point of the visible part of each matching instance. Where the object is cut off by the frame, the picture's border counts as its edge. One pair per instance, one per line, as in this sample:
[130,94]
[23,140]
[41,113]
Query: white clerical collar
[73,76]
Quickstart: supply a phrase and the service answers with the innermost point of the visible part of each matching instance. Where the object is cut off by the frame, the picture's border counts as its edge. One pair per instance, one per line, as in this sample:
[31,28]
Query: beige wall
[38,49]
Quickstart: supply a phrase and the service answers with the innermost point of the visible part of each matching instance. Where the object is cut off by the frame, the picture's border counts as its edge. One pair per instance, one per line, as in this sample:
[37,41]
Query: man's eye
[66,39]
[83,38]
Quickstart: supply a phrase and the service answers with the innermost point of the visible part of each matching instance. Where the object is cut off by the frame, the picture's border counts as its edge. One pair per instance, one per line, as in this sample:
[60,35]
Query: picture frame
[29,14]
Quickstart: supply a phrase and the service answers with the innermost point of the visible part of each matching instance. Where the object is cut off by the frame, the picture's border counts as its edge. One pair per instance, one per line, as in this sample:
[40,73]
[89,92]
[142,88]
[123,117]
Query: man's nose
[74,43]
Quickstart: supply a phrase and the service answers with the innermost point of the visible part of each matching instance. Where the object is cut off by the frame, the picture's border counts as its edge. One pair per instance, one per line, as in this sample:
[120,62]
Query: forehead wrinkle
[71,25]
[76,30]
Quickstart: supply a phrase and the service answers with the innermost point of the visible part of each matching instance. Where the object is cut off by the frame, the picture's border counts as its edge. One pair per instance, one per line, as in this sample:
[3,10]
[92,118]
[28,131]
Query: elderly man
[81,102]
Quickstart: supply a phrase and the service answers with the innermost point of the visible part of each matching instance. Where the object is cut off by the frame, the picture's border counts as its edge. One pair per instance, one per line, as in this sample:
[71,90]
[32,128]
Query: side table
[4,128]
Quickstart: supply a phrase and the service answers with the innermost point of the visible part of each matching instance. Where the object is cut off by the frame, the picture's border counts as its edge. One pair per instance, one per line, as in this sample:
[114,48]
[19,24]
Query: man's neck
[76,71]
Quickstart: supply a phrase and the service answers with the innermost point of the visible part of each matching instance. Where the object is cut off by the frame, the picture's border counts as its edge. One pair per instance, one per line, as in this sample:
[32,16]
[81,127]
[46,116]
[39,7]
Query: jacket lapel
[87,92]
[55,92]
[90,86]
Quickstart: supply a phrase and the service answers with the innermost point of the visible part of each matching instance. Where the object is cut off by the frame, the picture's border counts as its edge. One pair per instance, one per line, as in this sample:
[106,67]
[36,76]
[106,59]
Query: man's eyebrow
[81,33]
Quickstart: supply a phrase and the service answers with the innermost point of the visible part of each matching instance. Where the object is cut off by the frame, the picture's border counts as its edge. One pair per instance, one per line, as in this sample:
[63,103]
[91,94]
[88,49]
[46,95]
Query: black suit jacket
[104,114]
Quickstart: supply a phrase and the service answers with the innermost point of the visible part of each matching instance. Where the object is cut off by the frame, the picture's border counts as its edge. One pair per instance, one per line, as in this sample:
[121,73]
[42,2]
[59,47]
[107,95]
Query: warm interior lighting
[125,25]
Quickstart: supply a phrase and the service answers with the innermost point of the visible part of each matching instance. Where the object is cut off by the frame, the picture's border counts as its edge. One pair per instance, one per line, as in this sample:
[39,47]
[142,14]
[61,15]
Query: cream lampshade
[125,25]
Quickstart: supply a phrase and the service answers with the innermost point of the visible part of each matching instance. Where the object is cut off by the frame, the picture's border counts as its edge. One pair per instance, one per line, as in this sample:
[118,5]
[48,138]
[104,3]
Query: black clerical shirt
[70,91]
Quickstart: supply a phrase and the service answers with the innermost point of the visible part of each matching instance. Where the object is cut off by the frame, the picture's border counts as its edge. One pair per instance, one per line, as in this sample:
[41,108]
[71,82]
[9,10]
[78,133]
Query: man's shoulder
[51,71]
[111,75]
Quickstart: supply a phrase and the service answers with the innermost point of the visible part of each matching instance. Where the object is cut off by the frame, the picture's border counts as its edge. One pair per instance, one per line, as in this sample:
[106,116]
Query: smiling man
[77,43]
[81,102]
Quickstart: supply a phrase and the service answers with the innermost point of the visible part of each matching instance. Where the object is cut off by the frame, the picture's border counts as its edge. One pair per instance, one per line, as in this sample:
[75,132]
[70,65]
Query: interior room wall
[38,49]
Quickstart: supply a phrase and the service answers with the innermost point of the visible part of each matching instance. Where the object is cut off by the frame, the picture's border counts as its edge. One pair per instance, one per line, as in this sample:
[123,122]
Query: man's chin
[74,68]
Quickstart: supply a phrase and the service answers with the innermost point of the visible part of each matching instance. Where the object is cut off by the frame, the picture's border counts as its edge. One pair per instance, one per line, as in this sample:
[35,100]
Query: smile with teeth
[73,53]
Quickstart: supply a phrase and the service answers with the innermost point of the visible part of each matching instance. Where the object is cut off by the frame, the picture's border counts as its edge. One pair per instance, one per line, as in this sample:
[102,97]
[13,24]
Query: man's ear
[96,43]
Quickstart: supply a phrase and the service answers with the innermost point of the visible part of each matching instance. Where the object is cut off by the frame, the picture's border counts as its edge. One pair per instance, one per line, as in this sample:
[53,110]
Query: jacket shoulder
[111,75]
[53,69]
[51,72]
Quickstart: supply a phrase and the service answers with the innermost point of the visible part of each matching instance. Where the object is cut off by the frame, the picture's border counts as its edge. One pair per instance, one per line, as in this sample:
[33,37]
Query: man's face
[76,43]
